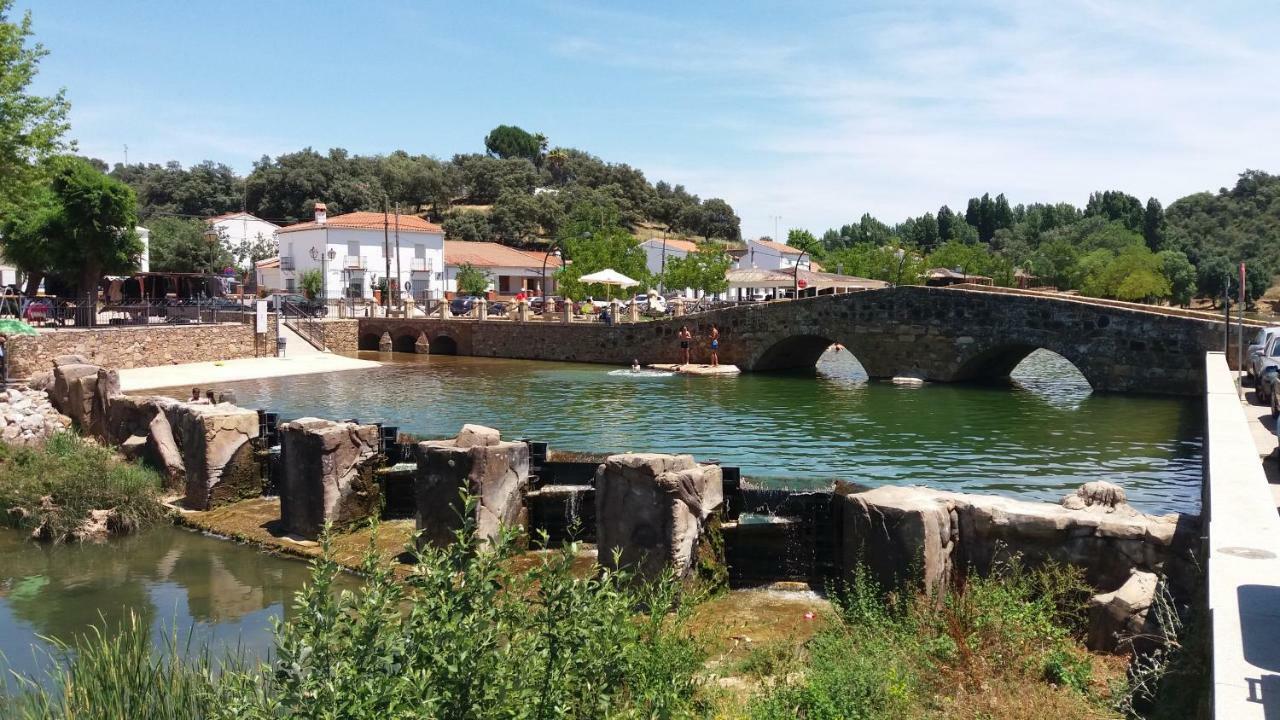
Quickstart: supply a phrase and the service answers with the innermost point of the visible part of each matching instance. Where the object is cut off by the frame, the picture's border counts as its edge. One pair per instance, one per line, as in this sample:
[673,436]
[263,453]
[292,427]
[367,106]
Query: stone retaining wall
[133,347]
[341,336]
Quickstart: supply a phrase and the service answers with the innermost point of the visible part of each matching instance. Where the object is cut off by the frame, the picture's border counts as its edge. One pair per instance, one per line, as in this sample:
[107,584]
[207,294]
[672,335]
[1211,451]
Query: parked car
[538,304]
[314,308]
[1256,351]
[649,304]
[462,305]
[1267,369]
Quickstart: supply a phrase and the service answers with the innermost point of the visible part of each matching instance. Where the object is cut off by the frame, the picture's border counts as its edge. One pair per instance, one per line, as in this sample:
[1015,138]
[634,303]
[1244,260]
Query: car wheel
[1275,407]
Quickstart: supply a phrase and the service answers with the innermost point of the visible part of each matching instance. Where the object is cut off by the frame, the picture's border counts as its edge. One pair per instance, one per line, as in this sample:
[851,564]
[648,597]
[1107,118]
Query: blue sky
[815,112]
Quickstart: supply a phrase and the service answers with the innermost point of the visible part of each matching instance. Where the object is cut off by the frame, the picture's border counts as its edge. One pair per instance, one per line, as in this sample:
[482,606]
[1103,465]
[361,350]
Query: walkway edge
[1243,538]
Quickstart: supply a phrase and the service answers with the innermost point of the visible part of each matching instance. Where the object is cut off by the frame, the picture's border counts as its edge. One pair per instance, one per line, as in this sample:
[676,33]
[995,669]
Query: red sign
[802,284]
[1242,276]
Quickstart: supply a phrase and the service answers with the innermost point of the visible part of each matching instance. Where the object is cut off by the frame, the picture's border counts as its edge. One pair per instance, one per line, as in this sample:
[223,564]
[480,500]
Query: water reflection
[1039,437]
[219,592]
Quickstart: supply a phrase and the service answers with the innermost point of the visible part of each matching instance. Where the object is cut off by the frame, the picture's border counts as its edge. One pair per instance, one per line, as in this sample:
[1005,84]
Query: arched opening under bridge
[1028,365]
[810,352]
[444,345]
[369,341]
[404,344]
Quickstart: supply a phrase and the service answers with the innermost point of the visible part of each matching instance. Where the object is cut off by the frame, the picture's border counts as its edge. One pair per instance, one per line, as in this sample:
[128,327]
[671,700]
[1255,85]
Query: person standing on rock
[685,337]
[715,345]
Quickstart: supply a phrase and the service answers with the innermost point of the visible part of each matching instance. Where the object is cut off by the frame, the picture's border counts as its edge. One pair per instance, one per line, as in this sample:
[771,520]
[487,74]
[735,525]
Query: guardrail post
[482,309]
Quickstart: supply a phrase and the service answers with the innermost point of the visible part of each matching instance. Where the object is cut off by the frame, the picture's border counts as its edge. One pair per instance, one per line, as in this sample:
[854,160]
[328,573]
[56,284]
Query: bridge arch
[998,361]
[443,344]
[792,352]
[369,341]
[404,343]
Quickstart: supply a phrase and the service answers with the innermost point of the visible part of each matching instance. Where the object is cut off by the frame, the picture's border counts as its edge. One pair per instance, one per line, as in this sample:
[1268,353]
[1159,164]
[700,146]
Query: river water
[1036,438]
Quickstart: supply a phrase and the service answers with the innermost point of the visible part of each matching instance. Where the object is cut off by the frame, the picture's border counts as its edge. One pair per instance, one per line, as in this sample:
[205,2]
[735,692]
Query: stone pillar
[897,533]
[217,455]
[328,474]
[496,473]
[678,304]
[568,310]
[522,311]
[482,309]
[635,312]
[615,309]
[422,345]
[408,305]
[384,343]
[443,309]
[651,510]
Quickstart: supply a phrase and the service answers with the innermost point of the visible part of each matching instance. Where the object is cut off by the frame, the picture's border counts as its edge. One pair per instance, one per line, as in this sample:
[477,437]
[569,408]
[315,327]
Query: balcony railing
[420,265]
[355,262]
[286,262]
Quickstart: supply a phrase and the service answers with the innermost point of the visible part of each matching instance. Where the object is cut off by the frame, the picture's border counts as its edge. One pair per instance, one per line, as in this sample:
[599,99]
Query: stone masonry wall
[341,336]
[936,334]
[132,347]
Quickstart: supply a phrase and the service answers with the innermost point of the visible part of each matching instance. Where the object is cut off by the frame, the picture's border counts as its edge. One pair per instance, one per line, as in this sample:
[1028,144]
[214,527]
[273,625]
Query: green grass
[1000,647]
[54,486]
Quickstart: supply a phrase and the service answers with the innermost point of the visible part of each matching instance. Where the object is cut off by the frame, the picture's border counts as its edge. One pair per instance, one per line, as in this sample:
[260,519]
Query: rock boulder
[328,474]
[495,473]
[217,455]
[651,510]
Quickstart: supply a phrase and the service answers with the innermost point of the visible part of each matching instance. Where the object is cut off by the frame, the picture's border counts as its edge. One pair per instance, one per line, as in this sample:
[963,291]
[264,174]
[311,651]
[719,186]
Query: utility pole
[126,155]
[1240,330]
[399,277]
[386,253]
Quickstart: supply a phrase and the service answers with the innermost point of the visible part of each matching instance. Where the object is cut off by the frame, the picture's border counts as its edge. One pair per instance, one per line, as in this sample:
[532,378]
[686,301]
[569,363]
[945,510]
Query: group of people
[686,339]
[209,398]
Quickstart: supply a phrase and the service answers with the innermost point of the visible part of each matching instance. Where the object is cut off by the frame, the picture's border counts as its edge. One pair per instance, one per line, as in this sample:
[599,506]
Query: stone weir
[645,512]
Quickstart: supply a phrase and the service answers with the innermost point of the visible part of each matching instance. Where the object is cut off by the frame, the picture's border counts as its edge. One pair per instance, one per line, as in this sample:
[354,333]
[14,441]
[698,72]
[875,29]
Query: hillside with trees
[1116,246]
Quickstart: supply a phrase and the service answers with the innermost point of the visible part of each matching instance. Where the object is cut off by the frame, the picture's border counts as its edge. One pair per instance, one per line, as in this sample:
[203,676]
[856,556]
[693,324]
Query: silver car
[1256,352]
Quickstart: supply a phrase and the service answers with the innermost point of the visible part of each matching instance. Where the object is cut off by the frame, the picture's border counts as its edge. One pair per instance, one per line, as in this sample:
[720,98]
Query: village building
[510,270]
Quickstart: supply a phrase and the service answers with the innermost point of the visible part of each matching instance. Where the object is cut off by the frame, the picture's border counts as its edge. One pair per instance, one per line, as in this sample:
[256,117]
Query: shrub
[312,282]
[56,485]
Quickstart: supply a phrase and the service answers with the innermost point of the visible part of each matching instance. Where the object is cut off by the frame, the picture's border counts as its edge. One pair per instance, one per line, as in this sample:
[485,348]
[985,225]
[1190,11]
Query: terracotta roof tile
[368,221]
[487,254]
[780,247]
[674,244]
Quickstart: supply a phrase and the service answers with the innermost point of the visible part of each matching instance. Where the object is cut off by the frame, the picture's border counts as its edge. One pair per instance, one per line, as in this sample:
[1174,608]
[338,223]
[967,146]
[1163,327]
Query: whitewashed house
[234,229]
[510,269]
[353,252]
[765,254]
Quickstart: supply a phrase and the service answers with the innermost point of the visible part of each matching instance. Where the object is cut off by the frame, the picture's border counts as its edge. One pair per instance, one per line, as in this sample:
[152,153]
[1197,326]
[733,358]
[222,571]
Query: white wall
[767,258]
[653,254]
[369,246]
[144,261]
[451,277]
[235,230]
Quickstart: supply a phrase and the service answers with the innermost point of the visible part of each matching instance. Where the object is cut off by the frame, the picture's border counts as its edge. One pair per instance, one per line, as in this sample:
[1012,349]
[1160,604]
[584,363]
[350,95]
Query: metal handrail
[303,323]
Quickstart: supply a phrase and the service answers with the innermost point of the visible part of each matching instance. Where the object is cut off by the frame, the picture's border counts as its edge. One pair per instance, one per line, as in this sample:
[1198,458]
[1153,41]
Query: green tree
[1117,206]
[1057,263]
[31,126]
[471,225]
[312,282]
[514,217]
[1153,225]
[594,239]
[24,232]
[186,245]
[471,280]
[804,241]
[702,270]
[1135,274]
[715,219]
[510,141]
[1181,275]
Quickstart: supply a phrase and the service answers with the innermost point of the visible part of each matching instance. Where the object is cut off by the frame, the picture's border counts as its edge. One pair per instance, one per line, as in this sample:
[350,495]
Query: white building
[354,250]
[658,252]
[233,229]
[510,269]
[769,255]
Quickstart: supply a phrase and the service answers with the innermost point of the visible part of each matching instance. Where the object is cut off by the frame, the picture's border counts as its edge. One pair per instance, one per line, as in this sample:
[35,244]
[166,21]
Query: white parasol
[608,276]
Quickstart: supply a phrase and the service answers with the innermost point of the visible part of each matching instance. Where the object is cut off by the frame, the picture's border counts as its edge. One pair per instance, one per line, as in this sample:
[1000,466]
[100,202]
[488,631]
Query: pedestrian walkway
[1262,428]
[203,374]
[296,345]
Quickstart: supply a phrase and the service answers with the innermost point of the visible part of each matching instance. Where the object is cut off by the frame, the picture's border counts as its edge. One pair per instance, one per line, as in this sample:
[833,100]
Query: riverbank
[203,374]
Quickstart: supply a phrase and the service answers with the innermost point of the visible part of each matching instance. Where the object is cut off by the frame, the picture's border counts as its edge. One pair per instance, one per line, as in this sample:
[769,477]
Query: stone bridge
[936,334]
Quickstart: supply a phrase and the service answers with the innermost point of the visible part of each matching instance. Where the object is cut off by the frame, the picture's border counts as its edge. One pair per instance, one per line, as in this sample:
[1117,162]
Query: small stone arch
[442,344]
[998,361]
[403,343]
[793,352]
[369,341]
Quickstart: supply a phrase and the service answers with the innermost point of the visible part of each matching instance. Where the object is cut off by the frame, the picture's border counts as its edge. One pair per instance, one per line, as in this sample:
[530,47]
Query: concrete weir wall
[133,347]
[1243,557]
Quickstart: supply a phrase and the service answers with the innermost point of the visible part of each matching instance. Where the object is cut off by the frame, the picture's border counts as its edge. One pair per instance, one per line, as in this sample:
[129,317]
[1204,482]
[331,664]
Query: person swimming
[635,366]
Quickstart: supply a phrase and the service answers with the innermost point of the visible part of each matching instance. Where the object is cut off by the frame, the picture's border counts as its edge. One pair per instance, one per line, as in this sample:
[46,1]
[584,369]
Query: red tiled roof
[780,247]
[269,262]
[674,244]
[487,254]
[369,221]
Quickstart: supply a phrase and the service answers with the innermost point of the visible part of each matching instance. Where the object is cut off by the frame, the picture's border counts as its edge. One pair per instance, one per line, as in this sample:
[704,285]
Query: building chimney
[322,213]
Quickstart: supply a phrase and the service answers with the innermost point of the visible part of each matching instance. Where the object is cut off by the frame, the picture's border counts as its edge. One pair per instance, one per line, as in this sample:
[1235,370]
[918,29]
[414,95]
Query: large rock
[900,535]
[494,473]
[477,435]
[217,455]
[651,510]
[163,449]
[65,377]
[1119,618]
[328,474]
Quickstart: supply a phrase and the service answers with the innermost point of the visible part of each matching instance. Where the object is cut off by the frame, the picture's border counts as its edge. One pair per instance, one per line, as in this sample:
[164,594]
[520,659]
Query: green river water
[1036,438]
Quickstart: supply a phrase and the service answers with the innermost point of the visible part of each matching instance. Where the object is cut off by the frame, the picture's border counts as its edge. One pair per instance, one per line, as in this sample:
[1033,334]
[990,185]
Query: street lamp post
[320,257]
[553,250]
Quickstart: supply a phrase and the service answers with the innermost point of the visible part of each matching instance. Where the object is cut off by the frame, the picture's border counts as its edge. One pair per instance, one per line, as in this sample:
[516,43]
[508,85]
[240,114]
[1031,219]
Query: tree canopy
[186,245]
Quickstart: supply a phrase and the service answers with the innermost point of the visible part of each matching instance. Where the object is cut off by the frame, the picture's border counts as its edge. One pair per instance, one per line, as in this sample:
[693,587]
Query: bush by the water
[464,635]
[1000,647]
[55,486]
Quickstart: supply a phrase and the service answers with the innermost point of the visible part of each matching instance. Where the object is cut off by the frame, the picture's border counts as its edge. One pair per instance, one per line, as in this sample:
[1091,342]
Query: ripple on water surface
[1038,437]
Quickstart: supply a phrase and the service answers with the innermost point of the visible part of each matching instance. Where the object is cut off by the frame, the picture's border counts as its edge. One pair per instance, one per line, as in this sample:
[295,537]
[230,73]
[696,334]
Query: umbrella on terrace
[608,276]
[9,326]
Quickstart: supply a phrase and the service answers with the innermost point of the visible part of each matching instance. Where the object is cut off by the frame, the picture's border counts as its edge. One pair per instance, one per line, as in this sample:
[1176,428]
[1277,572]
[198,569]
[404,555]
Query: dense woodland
[72,217]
